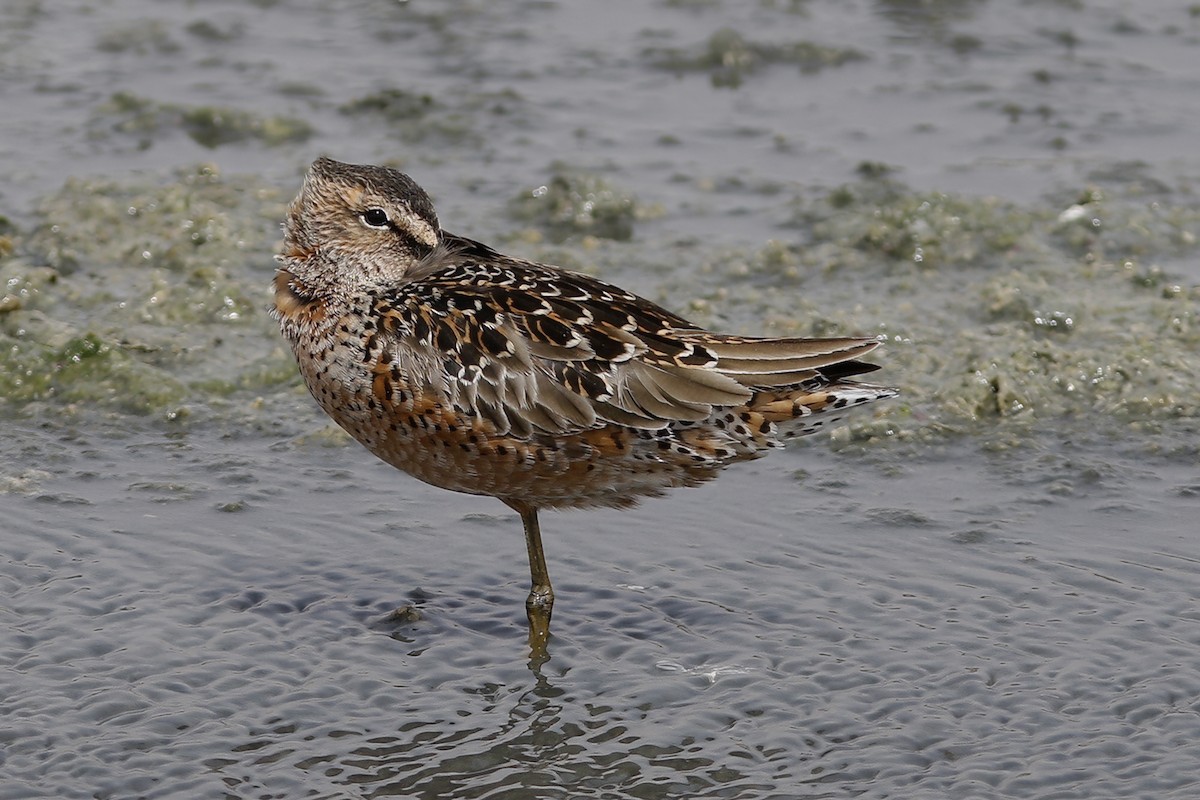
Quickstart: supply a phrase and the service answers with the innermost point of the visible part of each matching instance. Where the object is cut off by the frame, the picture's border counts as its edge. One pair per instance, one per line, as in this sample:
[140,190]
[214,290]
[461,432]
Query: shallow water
[939,630]
[987,589]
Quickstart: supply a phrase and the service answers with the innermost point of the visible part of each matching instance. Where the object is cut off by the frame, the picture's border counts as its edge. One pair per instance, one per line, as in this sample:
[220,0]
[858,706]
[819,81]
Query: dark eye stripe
[379,219]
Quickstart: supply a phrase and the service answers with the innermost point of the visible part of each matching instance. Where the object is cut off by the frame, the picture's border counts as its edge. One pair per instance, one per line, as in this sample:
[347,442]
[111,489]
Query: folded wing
[535,349]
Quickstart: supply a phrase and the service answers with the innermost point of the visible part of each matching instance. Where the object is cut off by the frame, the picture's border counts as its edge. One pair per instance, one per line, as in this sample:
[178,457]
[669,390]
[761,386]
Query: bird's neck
[304,308]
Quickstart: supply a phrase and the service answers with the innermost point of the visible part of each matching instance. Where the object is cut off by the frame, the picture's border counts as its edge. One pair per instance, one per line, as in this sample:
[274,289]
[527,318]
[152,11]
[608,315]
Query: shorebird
[492,375]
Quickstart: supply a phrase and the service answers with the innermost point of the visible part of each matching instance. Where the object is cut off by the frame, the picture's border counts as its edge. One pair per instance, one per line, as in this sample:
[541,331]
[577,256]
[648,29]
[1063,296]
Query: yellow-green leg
[540,602]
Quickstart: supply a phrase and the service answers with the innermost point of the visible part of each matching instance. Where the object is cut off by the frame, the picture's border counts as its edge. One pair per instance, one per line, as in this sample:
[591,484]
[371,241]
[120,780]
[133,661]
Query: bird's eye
[375,217]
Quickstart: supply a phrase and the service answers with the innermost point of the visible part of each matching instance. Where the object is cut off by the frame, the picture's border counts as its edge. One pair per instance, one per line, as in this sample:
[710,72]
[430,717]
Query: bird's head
[352,226]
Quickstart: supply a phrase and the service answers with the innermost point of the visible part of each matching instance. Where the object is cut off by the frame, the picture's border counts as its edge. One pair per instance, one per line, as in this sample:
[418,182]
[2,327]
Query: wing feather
[531,348]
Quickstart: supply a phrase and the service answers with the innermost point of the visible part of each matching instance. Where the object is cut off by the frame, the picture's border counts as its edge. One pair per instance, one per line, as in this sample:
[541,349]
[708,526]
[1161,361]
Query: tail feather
[800,386]
[800,412]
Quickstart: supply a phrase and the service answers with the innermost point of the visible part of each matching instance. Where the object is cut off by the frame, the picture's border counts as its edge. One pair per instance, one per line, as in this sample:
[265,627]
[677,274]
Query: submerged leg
[540,602]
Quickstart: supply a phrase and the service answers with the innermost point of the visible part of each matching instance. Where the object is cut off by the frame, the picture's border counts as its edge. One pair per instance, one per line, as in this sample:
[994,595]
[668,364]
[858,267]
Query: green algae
[883,220]
[210,32]
[450,118]
[996,317]
[575,202]
[141,37]
[391,103]
[730,58]
[413,116]
[210,126]
[140,297]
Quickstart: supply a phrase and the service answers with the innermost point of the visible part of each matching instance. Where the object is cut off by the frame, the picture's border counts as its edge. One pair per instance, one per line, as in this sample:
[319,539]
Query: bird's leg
[540,602]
